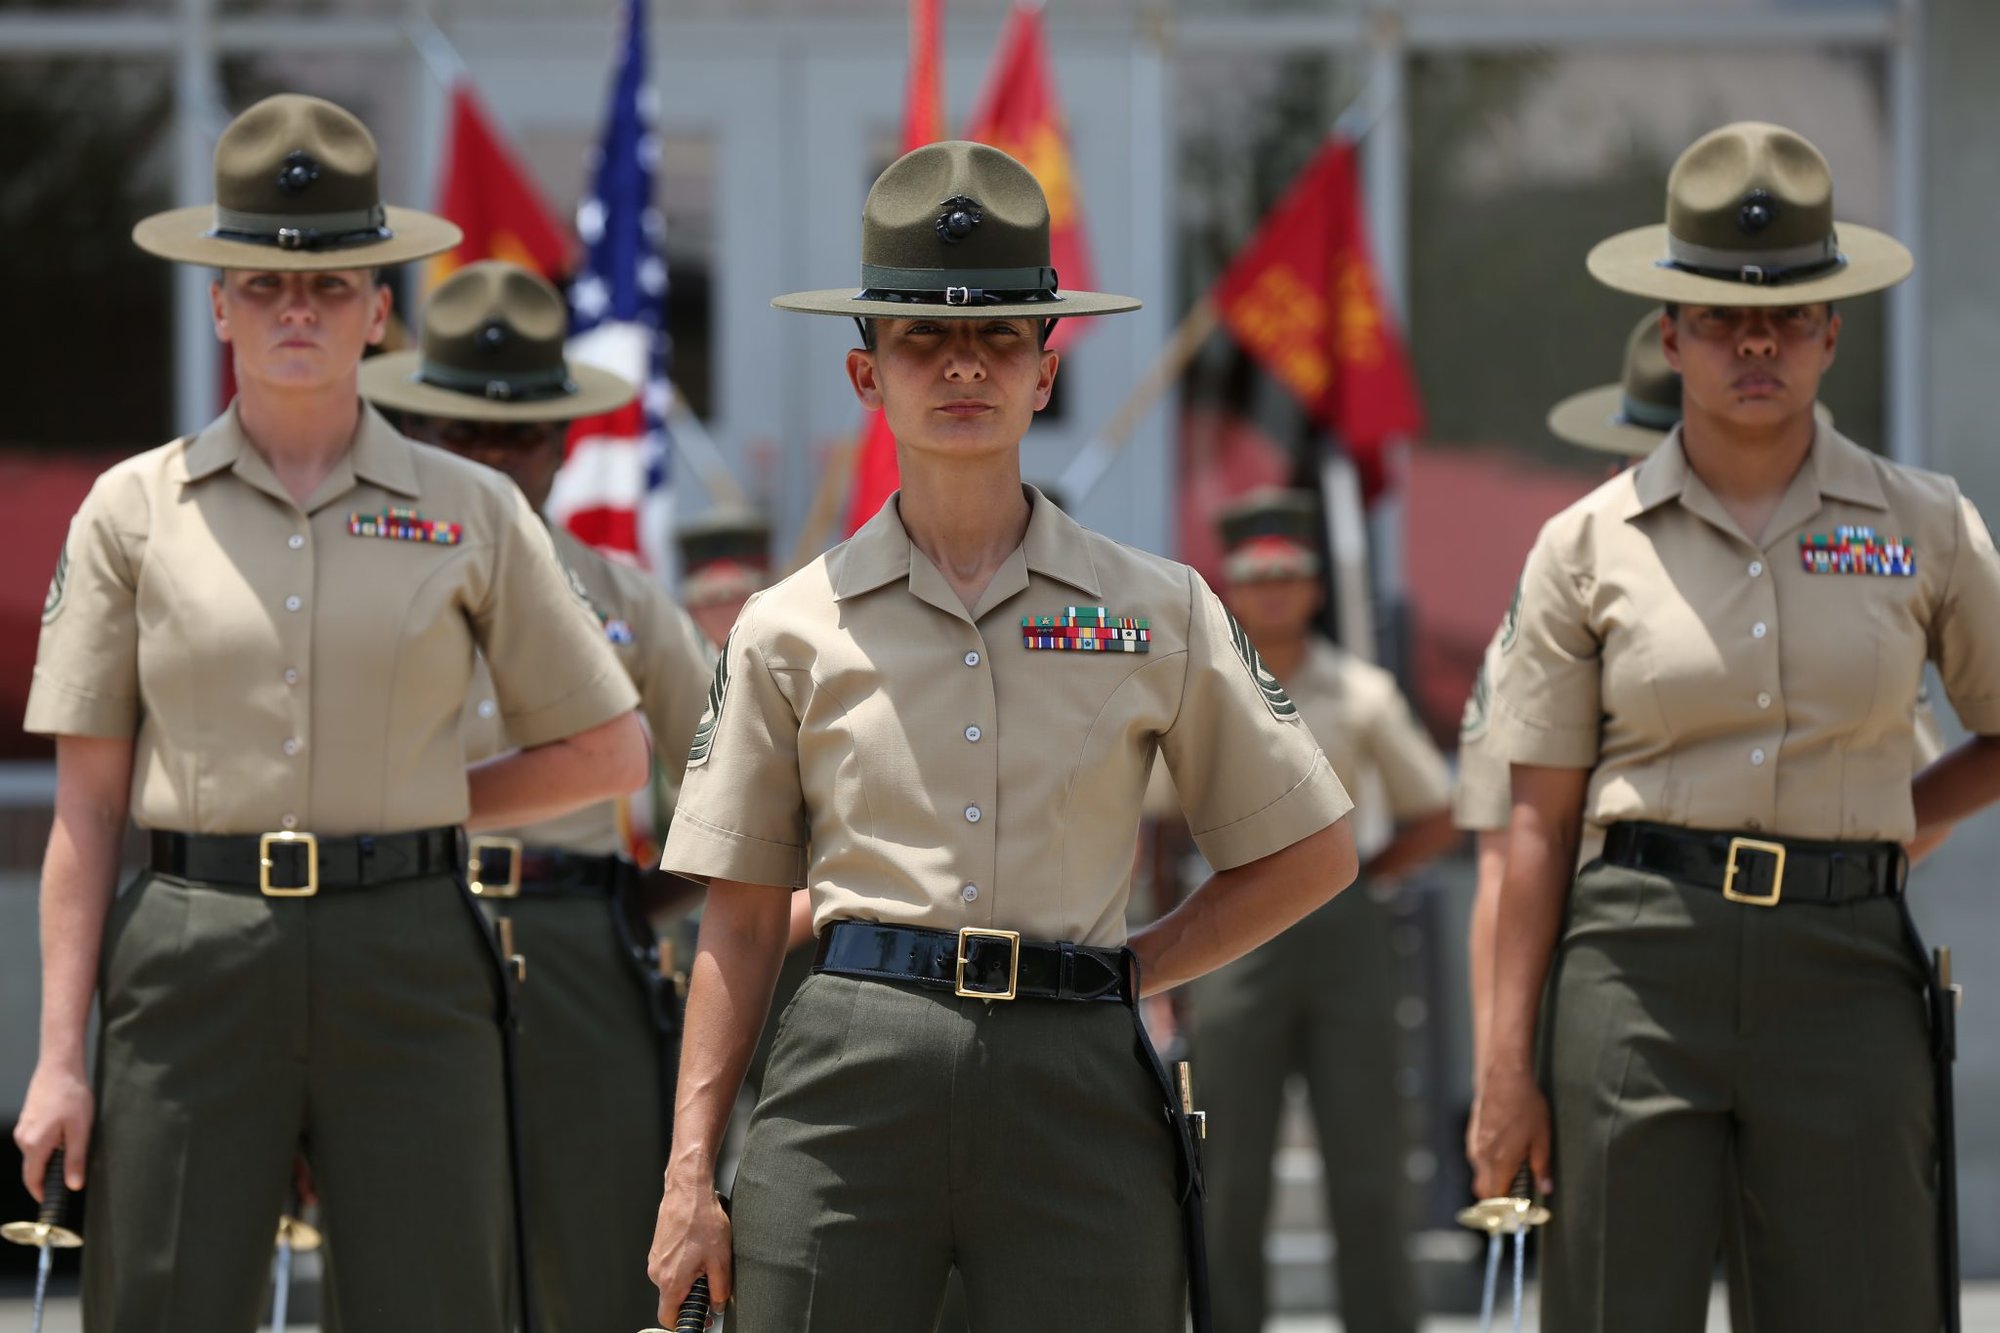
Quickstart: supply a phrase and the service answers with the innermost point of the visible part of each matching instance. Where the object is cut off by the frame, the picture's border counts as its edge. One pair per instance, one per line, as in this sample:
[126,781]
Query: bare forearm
[527,786]
[1963,782]
[1540,855]
[736,965]
[1492,864]
[78,879]
[1241,908]
[1416,844]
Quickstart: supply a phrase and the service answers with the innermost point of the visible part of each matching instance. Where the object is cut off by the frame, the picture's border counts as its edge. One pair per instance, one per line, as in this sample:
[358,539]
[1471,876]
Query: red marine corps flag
[1018,113]
[875,473]
[1302,297]
[490,196]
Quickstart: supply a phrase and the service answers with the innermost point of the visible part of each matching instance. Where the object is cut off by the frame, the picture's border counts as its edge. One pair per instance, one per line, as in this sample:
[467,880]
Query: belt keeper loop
[1066,972]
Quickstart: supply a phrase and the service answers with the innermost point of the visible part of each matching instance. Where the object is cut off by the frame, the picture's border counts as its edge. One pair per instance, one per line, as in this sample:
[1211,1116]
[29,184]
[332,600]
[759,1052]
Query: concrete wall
[1957,895]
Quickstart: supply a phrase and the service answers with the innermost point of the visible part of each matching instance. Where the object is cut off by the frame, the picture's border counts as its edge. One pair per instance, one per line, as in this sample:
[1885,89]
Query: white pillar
[196,101]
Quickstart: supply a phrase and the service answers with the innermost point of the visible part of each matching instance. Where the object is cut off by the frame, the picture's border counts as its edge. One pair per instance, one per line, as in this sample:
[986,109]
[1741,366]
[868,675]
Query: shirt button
[1756,756]
[1757,631]
[293,603]
[972,814]
[970,893]
[972,659]
[291,675]
[486,708]
[1756,568]
[291,745]
[295,541]
[290,821]
[973,733]
[1763,700]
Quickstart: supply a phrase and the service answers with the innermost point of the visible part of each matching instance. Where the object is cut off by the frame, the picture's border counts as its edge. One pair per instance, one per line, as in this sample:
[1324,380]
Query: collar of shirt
[1835,467]
[377,454]
[881,552]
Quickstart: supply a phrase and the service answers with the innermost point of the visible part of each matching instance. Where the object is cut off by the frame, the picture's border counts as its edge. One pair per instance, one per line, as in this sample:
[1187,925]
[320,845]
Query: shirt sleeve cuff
[1520,740]
[701,850]
[608,695]
[56,708]
[1317,801]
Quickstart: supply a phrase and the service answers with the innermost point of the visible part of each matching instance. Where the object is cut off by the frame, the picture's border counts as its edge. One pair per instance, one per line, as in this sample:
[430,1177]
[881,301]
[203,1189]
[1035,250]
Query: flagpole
[694,444]
[835,479]
[446,65]
[1091,463]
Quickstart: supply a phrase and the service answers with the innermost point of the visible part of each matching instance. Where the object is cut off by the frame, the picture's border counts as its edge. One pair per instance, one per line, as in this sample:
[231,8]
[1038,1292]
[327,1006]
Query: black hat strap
[1651,416]
[303,231]
[1759,268]
[530,386]
[957,286]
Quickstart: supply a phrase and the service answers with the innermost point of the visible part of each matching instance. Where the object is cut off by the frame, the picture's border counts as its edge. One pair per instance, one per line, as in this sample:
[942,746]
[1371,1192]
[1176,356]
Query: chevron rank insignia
[404,525]
[1088,629]
[1852,550]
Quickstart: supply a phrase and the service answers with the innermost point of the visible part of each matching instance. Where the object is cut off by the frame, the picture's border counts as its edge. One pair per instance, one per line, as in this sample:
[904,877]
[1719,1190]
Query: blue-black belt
[975,962]
[299,865]
[1760,871]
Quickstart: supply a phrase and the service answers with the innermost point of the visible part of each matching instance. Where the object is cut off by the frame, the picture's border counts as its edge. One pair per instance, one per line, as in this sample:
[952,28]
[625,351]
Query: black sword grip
[1524,1183]
[55,1192]
[695,1310]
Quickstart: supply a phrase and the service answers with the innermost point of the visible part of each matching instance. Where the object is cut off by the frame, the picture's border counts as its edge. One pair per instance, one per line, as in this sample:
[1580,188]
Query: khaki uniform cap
[1750,223]
[493,351]
[1270,534]
[1709,681]
[295,190]
[914,764]
[279,671]
[668,662]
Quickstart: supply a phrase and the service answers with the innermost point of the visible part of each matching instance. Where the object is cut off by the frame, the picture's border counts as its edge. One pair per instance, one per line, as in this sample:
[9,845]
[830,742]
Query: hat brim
[390,381]
[1591,420]
[847,301]
[1633,261]
[182,235]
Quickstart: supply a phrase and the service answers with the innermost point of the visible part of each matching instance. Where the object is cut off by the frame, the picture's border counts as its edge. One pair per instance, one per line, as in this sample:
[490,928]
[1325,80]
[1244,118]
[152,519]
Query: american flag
[613,489]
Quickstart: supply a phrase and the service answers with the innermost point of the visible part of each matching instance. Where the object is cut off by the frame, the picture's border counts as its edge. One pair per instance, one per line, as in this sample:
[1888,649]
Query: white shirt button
[970,893]
[972,658]
[486,708]
[293,603]
[290,821]
[291,745]
[972,814]
[973,733]
[1756,756]
[1756,568]
[295,541]
[1763,700]
[1758,631]
[291,675]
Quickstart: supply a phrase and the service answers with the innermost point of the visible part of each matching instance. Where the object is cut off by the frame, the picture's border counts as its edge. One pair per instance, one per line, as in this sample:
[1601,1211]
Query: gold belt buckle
[1770,899]
[966,934]
[475,867]
[268,841]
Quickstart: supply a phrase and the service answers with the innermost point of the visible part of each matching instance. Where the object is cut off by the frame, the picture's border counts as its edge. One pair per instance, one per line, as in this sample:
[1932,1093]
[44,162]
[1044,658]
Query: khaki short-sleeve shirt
[668,662]
[1483,800]
[1710,681]
[298,667]
[914,763]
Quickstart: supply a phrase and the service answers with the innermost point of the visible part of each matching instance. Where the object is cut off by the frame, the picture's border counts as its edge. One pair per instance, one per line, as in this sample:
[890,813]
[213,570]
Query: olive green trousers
[904,1133]
[1316,1002]
[360,1026]
[1684,1031]
[594,1116]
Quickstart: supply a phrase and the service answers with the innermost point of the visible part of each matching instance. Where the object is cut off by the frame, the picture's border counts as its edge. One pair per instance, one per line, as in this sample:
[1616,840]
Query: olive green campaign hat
[1270,534]
[1750,223]
[725,556]
[956,230]
[1631,417]
[492,350]
[295,190]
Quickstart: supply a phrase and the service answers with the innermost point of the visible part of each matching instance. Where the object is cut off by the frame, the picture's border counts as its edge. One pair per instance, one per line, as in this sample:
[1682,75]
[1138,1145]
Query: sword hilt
[1524,1183]
[695,1310]
[55,1192]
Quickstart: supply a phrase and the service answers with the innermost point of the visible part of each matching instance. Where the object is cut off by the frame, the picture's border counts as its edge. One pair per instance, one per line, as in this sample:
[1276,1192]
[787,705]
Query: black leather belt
[501,867]
[974,962]
[1760,871]
[299,865]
